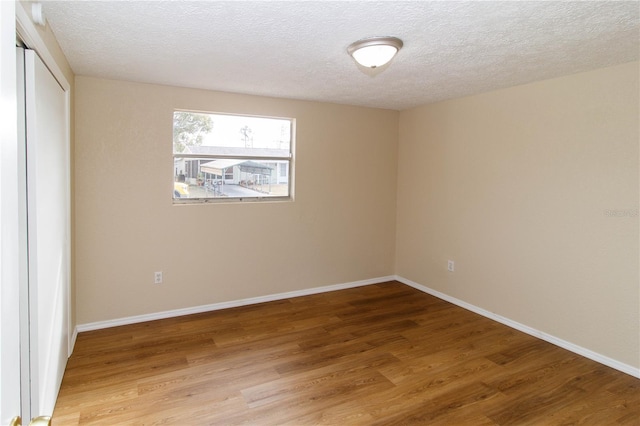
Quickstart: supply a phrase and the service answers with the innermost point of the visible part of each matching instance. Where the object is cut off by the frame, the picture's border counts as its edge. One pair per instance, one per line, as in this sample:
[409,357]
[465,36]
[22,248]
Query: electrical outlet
[450,266]
[157,277]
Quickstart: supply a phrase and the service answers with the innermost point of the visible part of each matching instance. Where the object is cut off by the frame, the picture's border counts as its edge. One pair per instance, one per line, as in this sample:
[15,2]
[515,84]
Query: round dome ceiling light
[374,52]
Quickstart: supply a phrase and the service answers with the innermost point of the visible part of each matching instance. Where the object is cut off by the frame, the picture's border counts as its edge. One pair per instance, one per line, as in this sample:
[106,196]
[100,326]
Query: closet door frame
[30,388]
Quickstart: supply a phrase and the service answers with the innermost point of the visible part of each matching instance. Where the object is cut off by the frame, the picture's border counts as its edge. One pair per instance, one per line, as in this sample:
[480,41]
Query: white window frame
[289,159]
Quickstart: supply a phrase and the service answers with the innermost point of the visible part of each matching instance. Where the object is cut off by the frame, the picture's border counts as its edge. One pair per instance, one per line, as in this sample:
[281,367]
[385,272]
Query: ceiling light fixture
[374,52]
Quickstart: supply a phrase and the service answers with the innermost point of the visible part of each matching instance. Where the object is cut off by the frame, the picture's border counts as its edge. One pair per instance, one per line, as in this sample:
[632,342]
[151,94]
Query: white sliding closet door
[47,154]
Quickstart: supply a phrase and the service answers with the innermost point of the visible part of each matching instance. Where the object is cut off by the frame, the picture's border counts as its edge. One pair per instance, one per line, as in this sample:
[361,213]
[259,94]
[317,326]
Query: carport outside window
[222,157]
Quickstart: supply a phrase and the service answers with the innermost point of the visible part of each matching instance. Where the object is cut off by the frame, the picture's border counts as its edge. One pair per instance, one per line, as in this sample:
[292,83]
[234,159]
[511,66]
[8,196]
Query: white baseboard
[225,305]
[602,359]
[72,340]
[620,366]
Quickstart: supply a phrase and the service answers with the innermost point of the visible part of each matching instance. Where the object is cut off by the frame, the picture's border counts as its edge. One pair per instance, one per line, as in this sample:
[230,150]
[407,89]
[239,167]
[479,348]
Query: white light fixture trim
[374,52]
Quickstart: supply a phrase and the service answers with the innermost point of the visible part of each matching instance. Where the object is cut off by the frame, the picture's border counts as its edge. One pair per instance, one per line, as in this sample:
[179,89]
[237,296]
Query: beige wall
[532,190]
[340,228]
[518,186]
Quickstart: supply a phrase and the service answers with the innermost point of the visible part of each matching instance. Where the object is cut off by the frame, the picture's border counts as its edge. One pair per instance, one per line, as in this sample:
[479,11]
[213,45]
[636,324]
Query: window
[222,157]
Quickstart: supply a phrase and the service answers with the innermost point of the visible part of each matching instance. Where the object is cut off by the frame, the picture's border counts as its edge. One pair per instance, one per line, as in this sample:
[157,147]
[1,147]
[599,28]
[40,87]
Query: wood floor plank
[383,354]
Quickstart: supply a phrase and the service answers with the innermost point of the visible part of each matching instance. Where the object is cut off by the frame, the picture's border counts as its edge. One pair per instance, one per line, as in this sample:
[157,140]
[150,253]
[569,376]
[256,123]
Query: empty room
[320,212]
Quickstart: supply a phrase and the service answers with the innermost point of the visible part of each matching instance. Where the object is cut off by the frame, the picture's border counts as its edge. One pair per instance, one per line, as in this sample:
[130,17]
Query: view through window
[219,157]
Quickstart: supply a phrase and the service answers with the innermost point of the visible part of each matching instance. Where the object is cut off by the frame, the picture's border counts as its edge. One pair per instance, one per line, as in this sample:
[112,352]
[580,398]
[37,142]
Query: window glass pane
[219,134]
[198,178]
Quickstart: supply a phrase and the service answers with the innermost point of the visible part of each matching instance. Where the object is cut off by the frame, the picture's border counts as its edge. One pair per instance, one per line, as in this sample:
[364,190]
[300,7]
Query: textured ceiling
[297,49]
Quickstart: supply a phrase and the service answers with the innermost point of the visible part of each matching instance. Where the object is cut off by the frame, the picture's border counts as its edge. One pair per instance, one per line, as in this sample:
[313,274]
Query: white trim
[73,338]
[31,38]
[602,359]
[225,305]
[10,272]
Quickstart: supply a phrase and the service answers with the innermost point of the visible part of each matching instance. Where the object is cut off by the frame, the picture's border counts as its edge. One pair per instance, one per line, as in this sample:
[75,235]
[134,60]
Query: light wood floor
[383,354]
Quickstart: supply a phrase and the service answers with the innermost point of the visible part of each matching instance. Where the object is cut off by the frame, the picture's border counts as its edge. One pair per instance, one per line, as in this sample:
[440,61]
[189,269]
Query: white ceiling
[297,49]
